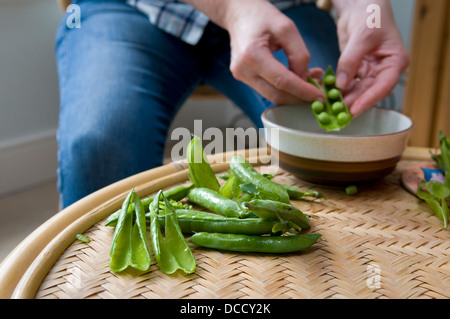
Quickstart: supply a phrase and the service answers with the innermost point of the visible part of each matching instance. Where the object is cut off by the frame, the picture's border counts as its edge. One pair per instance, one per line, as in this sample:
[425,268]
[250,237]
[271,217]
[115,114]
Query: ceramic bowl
[369,148]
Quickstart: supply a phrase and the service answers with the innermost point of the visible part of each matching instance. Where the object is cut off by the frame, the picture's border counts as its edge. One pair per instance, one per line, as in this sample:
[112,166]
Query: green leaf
[437,189]
[445,212]
[250,189]
[440,211]
[444,142]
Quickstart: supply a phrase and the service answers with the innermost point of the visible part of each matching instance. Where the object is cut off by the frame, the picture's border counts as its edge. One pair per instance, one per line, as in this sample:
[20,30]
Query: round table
[382,243]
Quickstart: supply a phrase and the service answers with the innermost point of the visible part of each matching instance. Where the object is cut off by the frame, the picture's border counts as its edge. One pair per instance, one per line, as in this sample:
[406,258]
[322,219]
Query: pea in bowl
[368,149]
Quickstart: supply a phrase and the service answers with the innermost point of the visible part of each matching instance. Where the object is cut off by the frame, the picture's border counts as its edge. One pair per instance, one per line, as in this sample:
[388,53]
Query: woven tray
[381,243]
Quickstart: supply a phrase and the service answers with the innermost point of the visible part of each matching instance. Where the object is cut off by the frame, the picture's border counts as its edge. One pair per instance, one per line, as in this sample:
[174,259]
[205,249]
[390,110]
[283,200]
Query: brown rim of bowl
[410,128]
[329,172]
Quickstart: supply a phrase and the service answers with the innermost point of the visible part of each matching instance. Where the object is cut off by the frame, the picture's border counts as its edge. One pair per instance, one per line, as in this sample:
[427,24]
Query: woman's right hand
[257,29]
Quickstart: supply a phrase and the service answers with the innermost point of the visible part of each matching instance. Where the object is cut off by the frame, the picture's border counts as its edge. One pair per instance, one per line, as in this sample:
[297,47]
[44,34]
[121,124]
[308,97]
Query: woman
[131,65]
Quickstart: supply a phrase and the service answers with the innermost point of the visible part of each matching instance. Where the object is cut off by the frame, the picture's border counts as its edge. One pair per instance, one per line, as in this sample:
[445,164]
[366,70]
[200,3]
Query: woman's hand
[372,59]
[257,29]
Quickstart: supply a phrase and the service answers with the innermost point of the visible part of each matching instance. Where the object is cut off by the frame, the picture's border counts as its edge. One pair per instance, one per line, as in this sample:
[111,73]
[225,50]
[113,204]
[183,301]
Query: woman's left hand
[372,59]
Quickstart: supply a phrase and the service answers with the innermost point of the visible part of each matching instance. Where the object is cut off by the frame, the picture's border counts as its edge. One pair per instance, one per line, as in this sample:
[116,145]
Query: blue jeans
[122,80]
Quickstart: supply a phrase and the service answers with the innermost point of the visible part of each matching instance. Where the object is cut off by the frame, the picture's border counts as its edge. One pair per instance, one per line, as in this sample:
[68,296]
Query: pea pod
[200,172]
[295,193]
[269,209]
[130,246]
[193,221]
[171,251]
[247,174]
[216,202]
[176,193]
[259,244]
[231,188]
[224,176]
[334,114]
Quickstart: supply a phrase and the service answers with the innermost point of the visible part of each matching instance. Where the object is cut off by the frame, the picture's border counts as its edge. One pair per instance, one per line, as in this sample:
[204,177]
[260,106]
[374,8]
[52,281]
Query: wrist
[221,12]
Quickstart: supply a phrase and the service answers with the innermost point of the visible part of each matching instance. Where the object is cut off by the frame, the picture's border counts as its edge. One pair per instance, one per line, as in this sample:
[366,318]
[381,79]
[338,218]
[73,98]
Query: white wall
[403,13]
[29,91]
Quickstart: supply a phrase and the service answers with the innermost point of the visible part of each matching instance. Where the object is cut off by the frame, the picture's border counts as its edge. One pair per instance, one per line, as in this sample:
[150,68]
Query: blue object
[433,175]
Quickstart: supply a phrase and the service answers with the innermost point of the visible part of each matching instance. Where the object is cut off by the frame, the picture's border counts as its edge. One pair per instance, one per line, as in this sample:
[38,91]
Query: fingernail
[341,80]
[320,98]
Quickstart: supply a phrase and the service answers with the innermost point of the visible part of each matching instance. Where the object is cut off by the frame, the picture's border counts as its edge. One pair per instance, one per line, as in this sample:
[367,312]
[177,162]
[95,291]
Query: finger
[382,86]
[273,94]
[275,73]
[350,61]
[356,89]
[315,73]
[289,39]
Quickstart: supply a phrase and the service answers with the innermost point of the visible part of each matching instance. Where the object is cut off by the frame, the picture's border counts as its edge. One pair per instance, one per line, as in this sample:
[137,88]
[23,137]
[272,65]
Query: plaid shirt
[182,20]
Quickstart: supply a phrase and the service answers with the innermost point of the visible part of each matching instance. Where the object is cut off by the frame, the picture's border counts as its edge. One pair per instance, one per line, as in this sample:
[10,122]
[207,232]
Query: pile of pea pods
[248,213]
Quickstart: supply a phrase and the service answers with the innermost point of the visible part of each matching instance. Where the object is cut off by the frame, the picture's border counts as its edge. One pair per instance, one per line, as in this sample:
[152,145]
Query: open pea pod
[268,209]
[130,245]
[334,114]
[231,188]
[200,171]
[176,193]
[246,173]
[171,250]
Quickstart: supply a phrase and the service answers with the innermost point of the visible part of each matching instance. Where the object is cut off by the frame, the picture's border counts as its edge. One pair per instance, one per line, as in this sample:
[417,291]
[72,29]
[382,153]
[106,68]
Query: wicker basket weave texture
[382,243]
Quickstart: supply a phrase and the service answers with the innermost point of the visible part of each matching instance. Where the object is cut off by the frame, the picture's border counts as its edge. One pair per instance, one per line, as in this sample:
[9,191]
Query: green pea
[337,107]
[333,106]
[324,118]
[334,94]
[351,190]
[317,107]
[329,80]
[83,238]
[343,118]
